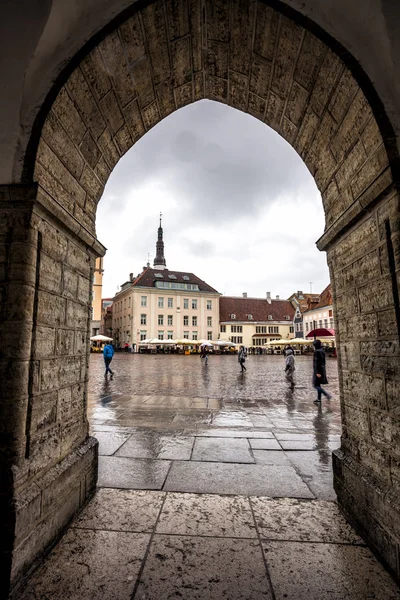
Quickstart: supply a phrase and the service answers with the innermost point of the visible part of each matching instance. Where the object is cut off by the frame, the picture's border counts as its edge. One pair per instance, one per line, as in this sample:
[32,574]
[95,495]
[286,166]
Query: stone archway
[156,58]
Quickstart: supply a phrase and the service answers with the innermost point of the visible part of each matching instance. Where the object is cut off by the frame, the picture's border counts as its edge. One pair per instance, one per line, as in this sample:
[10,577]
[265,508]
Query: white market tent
[100,338]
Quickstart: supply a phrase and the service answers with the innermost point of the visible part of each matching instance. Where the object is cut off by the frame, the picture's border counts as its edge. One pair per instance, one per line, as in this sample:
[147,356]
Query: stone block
[328,76]
[343,95]
[14,377]
[157,42]
[52,165]
[43,411]
[44,448]
[196,30]
[181,61]
[150,115]
[217,13]
[90,150]
[290,37]
[354,122]
[360,272]
[69,283]
[381,428]
[84,289]
[386,366]
[371,137]
[28,508]
[260,76]
[238,91]
[241,35]
[356,420]
[375,459]
[387,322]
[73,433]
[123,140]
[54,243]
[296,104]
[83,98]
[133,117]
[393,396]
[350,167]
[114,58]
[78,259]
[350,355]
[108,148]
[218,59]
[102,170]
[309,61]
[183,95]
[198,87]
[132,39]
[217,89]
[370,171]
[65,341]
[84,220]
[166,100]
[380,348]
[364,390]
[49,374]
[288,130]
[320,143]
[51,309]
[81,343]
[357,243]
[50,274]
[308,127]
[376,295]
[20,298]
[44,342]
[70,371]
[256,106]
[69,116]
[60,142]
[274,112]
[95,73]
[53,187]
[91,183]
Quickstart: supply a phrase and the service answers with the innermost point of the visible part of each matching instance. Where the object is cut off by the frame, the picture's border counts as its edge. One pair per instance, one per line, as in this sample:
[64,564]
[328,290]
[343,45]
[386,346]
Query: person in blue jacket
[108,353]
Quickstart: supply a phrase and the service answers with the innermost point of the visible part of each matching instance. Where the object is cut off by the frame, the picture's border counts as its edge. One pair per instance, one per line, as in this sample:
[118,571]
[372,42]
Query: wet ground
[212,484]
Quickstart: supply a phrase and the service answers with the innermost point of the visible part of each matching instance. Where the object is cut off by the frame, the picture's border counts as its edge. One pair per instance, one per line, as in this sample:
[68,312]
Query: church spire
[159,261]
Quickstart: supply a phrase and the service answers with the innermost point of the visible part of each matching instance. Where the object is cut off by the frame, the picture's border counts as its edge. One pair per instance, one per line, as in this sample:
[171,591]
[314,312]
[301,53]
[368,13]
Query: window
[186,277]
[233,316]
[171,276]
[330,313]
[129,302]
[186,321]
[185,335]
[161,319]
[143,335]
[159,275]
[170,335]
[124,302]
[250,317]
[143,319]
[170,303]
[269,317]
[209,321]
[209,304]
[209,335]
[320,323]
[161,303]
[223,329]
[306,326]
[194,335]
[194,304]
[174,285]
[170,320]
[326,323]
[291,329]
[160,335]
[143,301]
[236,329]
[331,323]
[273,329]
[186,303]
[237,339]
[261,329]
[194,321]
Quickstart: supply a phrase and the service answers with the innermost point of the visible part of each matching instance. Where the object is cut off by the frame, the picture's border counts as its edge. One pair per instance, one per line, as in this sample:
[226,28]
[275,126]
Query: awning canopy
[321,332]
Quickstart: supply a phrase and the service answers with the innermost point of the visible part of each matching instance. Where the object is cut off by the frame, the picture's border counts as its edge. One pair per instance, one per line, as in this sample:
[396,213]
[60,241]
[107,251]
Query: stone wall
[239,52]
[46,266]
[365,270]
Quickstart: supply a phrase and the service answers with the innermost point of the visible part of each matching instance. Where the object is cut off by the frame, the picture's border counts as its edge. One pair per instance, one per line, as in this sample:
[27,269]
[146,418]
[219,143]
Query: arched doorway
[156,58]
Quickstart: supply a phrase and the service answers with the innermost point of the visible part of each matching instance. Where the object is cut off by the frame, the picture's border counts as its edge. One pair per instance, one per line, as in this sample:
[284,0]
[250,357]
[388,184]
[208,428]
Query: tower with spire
[159,261]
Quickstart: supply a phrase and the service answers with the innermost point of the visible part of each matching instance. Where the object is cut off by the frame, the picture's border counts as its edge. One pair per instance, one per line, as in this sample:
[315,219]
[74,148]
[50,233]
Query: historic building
[301,302]
[97,287]
[254,321]
[319,314]
[163,304]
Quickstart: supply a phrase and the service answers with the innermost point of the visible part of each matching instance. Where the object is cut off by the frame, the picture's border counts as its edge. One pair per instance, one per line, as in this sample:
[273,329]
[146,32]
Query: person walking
[242,358]
[289,363]
[319,374]
[108,353]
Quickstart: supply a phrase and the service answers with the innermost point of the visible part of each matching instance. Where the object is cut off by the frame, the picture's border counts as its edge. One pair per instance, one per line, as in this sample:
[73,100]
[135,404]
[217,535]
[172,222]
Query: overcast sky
[240,209]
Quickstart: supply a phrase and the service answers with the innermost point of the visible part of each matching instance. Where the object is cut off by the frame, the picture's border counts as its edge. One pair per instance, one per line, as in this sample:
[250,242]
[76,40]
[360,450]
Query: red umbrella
[321,332]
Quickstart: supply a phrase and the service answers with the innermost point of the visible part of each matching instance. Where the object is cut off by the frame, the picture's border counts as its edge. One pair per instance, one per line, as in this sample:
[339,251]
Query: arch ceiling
[170,53]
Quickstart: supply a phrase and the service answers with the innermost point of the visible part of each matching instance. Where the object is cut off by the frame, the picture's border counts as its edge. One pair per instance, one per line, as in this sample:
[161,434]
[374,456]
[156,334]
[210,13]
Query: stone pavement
[211,485]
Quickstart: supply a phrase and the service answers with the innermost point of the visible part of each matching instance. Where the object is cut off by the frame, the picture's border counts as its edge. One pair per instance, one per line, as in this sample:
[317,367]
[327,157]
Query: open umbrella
[100,338]
[225,344]
[206,343]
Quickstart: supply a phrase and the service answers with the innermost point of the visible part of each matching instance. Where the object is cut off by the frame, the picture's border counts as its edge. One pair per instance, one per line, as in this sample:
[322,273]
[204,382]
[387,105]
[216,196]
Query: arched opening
[157,58]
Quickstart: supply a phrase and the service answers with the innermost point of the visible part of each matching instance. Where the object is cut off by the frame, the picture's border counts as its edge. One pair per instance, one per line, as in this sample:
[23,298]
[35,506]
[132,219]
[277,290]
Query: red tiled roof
[325,299]
[147,279]
[259,308]
[303,302]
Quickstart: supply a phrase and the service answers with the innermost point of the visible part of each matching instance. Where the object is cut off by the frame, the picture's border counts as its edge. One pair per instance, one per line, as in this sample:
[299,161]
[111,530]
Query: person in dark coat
[319,374]
[242,358]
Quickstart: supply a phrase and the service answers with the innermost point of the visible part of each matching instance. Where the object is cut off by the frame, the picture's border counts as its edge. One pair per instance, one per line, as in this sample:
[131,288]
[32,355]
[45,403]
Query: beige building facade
[320,316]
[97,288]
[254,321]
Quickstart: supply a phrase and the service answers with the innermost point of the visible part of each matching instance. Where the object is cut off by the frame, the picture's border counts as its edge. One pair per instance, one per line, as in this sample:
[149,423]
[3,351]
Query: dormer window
[171,276]
[269,317]
[287,318]
[233,316]
[250,317]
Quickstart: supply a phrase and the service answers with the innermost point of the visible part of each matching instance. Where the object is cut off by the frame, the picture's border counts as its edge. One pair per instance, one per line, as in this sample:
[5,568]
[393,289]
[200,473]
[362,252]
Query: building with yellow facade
[163,304]
[97,288]
[254,321]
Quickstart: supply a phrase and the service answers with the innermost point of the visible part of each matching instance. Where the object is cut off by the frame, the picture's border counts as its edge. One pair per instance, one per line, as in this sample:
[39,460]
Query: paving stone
[315,467]
[298,444]
[222,450]
[271,457]
[309,571]
[264,444]
[121,510]
[209,515]
[234,433]
[198,568]
[109,442]
[90,564]
[130,473]
[306,521]
[151,444]
[223,478]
